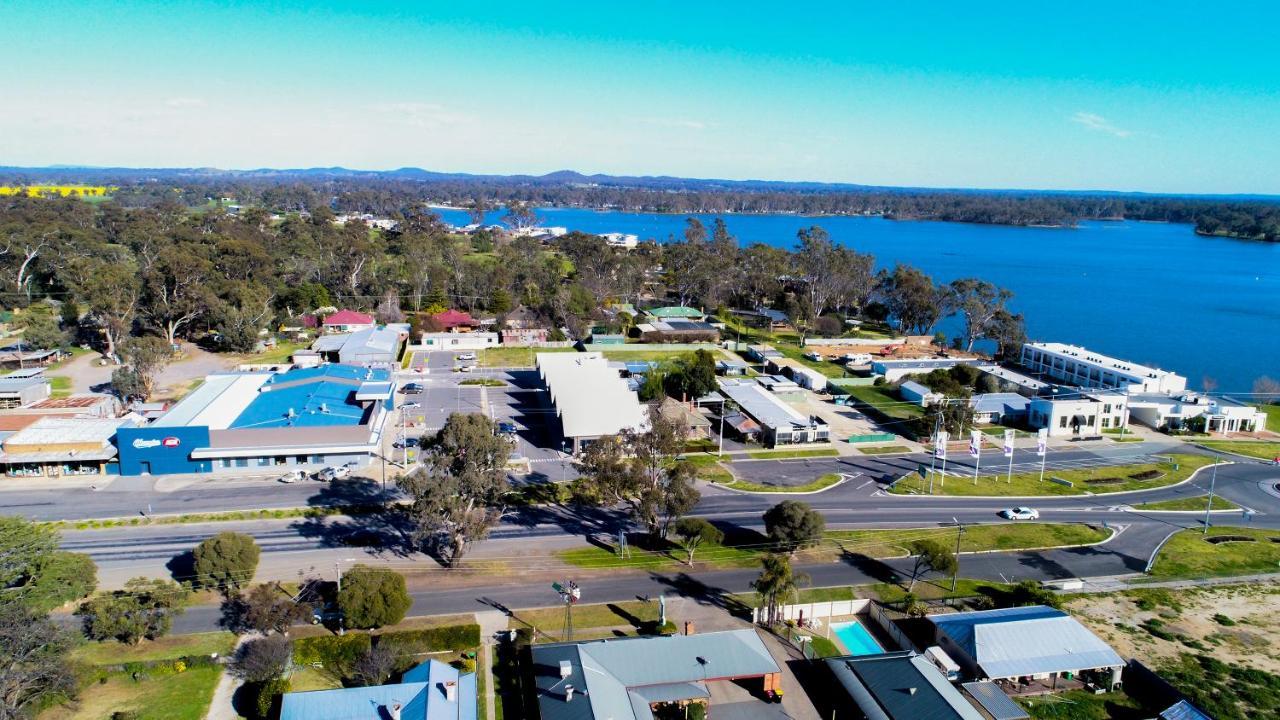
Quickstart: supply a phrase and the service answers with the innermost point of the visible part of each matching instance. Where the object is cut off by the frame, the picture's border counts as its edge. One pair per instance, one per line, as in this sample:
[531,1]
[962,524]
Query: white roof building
[590,398]
[1079,366]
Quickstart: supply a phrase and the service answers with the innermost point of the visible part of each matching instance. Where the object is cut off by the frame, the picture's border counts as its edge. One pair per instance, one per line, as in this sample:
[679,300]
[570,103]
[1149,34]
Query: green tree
[144,609]
[34,667]
[458,493]
[978,302]
[145,357]
[41,331]
[640,470]
[34,572]
[225,561]
[696,531]
[265,608]
[777,584]
[372,597]
[694,377]
[931,556]
[261,659]
[792,525]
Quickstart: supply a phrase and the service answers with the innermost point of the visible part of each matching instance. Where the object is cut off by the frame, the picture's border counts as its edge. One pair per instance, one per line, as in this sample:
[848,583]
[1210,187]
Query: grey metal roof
[1003,403]
[764,407]
[900,686]
[1011,642]
[620,674]
[915,387]
[330,343]
[1183,710]
[18,384]
[994,700]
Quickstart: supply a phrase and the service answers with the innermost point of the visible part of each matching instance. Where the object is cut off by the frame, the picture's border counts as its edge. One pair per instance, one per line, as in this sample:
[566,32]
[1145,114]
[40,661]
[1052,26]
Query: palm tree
[777,584]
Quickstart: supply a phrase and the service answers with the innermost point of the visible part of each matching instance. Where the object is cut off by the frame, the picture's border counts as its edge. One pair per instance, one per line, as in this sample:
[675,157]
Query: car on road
[292,476]
[1020,513]
[402,443]
[467,356]
[337,472]
[506,428]
[411,389]
[466,368]
[411,406]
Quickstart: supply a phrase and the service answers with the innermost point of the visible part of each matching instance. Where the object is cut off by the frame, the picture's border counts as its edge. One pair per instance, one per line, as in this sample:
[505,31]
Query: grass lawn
[1127,439]
[178,696]
[710,469]
[514,356]
[789,454]
[1119,478]
[1080,705]
[884,450]
[551,620]
[166,648]
[795,352]
[278,354]
[821,483]
[937,588]
[1189,554]
[1273,417]
[805,595]
[976,538]
[716,556]
[60,385]
[1263,450]
[658,356]
[309,678]
[1200,502]
[884,402]
[483,382]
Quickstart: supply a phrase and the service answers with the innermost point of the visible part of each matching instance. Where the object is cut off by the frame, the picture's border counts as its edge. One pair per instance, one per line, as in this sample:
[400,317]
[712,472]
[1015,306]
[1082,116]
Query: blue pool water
[856,639]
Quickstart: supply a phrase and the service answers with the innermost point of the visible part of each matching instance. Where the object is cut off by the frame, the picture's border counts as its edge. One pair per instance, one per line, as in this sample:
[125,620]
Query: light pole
[1213,480]
[959,531]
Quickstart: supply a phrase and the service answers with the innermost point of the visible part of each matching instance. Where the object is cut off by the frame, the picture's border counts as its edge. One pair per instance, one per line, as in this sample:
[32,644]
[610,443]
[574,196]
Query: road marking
[864,484]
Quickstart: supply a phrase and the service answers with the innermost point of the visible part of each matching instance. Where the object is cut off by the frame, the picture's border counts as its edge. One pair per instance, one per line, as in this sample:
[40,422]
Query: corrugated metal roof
[591,399]
[1012,642]
[421,697]
[994,700]
[1003,403]
[764,407]
[1183,710]
[900,686]
[217,402]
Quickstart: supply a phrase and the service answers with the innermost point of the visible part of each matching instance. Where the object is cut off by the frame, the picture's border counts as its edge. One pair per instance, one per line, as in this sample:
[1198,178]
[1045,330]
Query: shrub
[331,651]
[439,639]
[267,696]
[1223,620]
[226,560]
[372,597]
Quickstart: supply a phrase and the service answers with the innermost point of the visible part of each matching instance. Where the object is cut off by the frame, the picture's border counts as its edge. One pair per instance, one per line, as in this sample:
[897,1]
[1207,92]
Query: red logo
[171,442]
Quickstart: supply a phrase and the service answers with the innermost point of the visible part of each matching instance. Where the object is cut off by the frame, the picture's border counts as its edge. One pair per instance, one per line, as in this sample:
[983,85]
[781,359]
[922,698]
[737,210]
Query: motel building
[305,418]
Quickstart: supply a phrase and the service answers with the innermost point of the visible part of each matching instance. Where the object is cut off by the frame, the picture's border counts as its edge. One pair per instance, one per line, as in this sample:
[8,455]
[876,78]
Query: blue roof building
[430,691]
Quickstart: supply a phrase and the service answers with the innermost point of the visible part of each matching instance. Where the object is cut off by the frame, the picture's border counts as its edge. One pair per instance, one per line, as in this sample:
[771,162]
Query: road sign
[923,470]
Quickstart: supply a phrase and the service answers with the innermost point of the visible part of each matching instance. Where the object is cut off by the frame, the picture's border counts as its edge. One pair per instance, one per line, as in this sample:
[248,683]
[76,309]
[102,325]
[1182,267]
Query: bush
[372,597]
[331,651]
[266,696]
[261,659]
[226,560]
[440,639]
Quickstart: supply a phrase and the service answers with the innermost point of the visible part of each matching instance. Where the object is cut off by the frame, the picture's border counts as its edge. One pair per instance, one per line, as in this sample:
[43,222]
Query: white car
[856,358]
[411,406]
[292,476]
[466,368]
[467,356]
[338,472]
[814,356]
[1020,513]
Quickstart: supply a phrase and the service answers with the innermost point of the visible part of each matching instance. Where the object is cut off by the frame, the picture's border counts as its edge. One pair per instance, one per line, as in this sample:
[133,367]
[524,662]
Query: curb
[844,478]
[1190,477]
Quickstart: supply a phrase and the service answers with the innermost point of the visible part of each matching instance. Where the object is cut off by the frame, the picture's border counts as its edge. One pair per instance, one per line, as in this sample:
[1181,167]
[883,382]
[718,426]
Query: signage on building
[169,442]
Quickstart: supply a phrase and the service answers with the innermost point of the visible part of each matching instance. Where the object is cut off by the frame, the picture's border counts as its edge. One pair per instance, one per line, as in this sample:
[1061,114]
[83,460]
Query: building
[697,423]
[430,691]
[1014,381]
[898,686]
[304,417]
[456,321]
[78,405]
[62,446]
[780,424]
[626,241]
[524,336]
[345,321]
[374,347]
[731,368]
[630,678]
[803,375]
[20,355]
[1174,411]
[761,353]
[459,341]
[895,370]
[1074,365]
[678,331]
[999,408]
[914,392]
[1022,644]
[17,392]
[590,398]
[1078,413]
[675,312]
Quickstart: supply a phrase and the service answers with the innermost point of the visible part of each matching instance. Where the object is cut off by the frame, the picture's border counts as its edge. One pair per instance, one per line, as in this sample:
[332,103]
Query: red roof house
[348,321]
[455,319]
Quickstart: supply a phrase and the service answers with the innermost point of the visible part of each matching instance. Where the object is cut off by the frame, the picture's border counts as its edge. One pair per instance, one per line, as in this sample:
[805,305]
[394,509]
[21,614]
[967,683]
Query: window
[242,462]
[1093,419]
[1062,421]
[264,462]
[317,459]
[1106,409]
[1106,422]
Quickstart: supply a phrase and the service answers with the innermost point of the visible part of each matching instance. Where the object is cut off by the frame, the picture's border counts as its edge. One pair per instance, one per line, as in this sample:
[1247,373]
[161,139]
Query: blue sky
[1179,97]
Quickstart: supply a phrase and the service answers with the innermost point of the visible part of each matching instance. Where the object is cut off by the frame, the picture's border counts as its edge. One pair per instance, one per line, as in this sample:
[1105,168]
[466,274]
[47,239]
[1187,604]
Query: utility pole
[933,460]
[959,531]
[1213,480]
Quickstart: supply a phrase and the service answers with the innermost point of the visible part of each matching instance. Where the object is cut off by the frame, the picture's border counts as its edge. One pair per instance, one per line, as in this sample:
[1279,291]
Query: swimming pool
[856,639]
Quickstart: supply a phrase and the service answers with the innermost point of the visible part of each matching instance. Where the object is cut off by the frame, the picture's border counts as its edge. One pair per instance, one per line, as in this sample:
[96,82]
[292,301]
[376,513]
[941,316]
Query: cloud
[185,102]
[1096,122]
[676,123]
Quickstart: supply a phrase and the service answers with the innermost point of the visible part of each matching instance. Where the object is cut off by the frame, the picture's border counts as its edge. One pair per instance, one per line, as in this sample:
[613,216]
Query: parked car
[327,614]
[467,356]
[465,368]
[411,389]
[292,476]
[1020,513]
[856,358]
[337,472]
[812,355]
[411,406]
[506,428]
[402,443]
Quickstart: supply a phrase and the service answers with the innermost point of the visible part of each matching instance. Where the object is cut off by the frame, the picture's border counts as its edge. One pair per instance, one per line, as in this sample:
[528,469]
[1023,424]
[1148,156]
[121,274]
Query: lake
[1153,293]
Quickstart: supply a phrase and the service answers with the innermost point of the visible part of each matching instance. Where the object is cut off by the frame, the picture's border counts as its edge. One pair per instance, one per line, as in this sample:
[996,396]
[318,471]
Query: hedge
[331,651]
[437,639]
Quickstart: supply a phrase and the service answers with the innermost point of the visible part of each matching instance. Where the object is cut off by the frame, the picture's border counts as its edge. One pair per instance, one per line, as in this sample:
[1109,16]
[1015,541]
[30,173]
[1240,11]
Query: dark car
[506,428]
[411,389]
[402,443]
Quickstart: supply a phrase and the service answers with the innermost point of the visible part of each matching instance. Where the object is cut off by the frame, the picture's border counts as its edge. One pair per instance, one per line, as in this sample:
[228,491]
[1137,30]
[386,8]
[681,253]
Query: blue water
[1153,293]
[856,639]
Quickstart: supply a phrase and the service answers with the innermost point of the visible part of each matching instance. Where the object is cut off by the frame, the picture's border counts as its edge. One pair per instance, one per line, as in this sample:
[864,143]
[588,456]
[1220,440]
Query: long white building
[1074,365]
[591,399]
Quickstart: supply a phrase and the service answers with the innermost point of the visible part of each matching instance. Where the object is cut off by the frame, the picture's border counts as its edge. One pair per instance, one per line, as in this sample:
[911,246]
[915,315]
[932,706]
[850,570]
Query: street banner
[1042,442]
[975,443]
[1008,443]
[940,445]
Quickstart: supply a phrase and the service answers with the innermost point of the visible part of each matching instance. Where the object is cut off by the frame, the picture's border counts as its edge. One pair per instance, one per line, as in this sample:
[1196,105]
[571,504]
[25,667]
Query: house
[999,408]
[631,678]
[1173,411]
[590,399]
[914,392]
[459,340]
[456,321]
[1017,645]
[430,691]
[345,321]
[675,312]
[697,423]
[803,375]
[17,392]
[747,430]
[780,424]
[731,368]
[1067,412]
[1074,365]
[626,241]
[761,353]
[677,331]
[63,446]
[372,347]
[897,686]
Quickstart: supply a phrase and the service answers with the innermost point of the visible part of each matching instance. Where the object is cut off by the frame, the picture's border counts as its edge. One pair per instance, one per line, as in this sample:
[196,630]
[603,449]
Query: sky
[1180,97]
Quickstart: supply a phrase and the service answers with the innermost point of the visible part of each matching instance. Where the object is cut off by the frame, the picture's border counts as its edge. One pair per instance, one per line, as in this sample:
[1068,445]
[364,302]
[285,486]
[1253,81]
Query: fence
[816,610]
[650,347]
[886,623]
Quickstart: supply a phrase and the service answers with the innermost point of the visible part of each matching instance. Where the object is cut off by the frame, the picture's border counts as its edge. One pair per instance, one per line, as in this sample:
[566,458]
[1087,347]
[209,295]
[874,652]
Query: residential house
[999,408]
[780,424]
[345,321]
[897,686]
[684,414]
[430,691]
[456,321]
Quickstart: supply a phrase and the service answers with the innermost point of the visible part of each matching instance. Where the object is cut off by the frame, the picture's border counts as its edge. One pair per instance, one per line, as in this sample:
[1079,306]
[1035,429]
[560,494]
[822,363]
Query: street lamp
[1213,480]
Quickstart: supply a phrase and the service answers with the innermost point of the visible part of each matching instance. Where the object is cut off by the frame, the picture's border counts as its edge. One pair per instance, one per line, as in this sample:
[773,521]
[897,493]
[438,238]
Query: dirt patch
[1235,624]
[1147,475]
